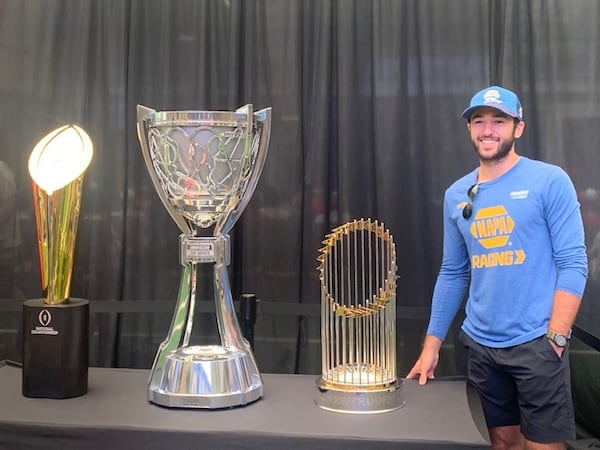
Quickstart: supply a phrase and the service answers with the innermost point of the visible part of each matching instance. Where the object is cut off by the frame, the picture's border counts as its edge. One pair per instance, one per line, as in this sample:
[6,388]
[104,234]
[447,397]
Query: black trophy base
[55,348]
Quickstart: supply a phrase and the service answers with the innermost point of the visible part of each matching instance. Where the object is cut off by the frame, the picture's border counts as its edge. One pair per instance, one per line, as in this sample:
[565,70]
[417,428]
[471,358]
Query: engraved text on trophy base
[360,401]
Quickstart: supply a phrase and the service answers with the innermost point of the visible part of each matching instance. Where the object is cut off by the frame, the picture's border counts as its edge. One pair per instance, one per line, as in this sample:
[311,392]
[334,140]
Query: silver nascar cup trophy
[205,166]
[358,320]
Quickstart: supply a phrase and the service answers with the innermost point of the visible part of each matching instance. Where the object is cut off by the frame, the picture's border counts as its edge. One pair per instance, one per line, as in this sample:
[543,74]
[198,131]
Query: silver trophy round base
[210,377]
[359,401]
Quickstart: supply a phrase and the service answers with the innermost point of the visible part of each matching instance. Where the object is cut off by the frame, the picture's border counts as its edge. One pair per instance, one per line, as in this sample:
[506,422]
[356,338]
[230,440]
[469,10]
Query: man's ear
[519,129]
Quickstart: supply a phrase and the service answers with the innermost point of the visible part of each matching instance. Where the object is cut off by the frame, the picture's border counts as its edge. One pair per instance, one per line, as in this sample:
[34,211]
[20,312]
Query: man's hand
[428,360]
[559,350]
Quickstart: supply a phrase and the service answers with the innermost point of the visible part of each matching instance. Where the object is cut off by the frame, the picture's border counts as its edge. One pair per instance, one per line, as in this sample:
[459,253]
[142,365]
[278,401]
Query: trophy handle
[260,140]
[230,331]
[142,130]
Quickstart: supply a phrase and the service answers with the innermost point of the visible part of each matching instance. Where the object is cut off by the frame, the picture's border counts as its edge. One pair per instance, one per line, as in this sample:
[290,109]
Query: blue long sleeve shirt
[523,241]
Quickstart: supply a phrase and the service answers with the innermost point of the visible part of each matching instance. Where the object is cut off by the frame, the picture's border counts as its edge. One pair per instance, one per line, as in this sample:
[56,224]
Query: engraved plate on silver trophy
[205,166]
[358,320]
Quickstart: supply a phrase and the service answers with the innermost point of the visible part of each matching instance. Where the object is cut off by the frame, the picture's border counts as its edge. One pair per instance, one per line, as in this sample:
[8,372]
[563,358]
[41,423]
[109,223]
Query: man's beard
[503,150]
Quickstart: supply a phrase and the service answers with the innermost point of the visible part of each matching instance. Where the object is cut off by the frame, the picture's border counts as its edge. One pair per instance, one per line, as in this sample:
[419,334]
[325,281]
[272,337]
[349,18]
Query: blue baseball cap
[496,97]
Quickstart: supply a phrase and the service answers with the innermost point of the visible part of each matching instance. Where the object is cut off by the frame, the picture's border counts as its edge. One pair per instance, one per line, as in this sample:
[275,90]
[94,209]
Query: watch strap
[559,339]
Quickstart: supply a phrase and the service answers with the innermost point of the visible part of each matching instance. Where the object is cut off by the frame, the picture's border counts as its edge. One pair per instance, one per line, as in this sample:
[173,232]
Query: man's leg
[506,438]
[498,394]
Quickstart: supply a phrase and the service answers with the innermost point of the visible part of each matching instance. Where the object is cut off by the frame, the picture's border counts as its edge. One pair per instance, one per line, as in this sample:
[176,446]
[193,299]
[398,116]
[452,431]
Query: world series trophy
[357,272]
[205,166]
[56,327]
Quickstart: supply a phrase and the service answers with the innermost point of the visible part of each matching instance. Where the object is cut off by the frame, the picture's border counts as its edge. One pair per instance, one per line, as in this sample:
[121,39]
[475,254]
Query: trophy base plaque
[359,401]
[208,376]
[55,349]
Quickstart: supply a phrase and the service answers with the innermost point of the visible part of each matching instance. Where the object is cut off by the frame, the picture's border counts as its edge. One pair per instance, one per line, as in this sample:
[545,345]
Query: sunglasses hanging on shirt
[471,193]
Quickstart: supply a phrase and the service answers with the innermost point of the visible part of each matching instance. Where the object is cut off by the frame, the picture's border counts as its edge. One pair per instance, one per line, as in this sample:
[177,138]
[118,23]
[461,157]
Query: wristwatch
[559,339]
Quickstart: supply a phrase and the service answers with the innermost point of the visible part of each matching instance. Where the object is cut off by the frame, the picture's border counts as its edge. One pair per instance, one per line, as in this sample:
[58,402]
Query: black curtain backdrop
[366,99]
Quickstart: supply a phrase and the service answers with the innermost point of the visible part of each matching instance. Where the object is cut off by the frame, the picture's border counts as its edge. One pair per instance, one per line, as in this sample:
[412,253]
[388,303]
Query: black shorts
[526,385]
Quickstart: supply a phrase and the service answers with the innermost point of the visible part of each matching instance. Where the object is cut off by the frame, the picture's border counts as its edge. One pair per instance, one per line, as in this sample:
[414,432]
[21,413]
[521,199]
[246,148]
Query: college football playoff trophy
[56,327]
[205,166]
[358,320]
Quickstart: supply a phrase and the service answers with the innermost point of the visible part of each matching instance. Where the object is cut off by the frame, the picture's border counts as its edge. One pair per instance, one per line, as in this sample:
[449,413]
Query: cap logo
[492,96]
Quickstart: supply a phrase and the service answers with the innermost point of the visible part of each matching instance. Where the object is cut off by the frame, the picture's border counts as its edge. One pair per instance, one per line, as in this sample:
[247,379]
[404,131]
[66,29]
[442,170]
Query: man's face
[493,133]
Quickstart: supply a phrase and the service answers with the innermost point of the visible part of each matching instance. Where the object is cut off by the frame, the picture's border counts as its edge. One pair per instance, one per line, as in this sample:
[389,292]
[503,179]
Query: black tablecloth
[115,414]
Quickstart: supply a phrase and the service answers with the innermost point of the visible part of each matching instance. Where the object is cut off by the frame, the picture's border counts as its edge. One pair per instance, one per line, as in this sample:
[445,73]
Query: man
[513,234]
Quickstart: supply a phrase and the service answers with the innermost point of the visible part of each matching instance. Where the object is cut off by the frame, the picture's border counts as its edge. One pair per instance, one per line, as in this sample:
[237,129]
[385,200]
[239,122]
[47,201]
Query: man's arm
[564,312]
[565,224]
[428,361]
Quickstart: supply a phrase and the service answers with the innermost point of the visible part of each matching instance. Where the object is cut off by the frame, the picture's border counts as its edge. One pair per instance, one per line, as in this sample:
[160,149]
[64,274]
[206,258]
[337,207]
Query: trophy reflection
[358,320]
[205,166]
[56,327]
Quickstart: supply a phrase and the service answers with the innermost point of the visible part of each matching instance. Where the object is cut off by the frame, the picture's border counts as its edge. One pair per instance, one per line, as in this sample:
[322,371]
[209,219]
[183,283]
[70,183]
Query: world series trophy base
[359,401]
[207,376]
[55,349]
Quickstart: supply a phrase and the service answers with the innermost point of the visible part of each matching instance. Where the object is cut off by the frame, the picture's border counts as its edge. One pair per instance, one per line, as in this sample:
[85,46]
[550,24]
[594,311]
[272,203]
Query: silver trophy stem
[229,328]
[178,323]
[192,305]
[228,373]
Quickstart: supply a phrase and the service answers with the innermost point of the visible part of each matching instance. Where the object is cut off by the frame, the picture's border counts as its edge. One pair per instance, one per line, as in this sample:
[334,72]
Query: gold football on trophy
[56,166]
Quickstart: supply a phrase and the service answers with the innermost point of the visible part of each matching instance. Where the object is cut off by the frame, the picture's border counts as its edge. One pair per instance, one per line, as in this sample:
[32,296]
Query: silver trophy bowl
[205,166]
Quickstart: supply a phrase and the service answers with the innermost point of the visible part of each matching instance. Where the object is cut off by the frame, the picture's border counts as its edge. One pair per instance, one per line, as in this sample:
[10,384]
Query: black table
[115,414]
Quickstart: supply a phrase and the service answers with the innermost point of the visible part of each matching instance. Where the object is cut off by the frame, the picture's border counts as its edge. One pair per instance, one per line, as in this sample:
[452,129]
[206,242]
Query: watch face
[560,340]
